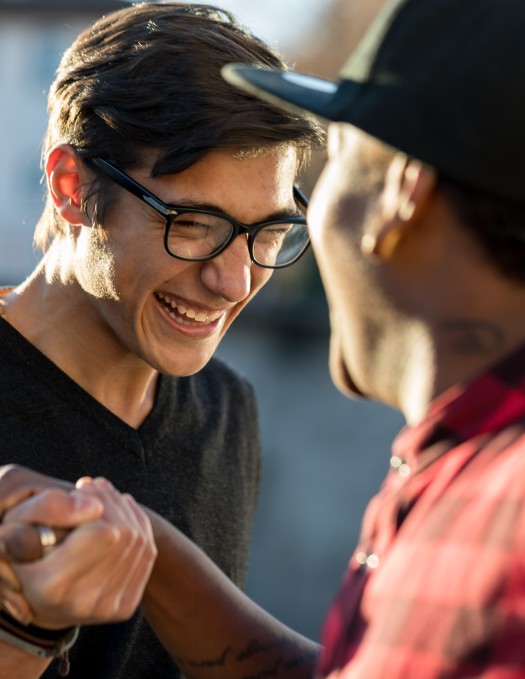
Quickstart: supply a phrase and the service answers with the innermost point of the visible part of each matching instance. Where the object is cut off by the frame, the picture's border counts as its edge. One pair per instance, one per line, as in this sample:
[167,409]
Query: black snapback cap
[441,80]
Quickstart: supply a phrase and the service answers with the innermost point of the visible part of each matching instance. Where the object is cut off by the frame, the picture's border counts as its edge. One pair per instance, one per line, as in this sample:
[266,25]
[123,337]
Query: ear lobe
[408,185]
[63,171]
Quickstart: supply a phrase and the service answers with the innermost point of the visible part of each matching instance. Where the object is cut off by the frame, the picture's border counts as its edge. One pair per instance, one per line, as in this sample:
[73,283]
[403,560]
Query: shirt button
[399,466]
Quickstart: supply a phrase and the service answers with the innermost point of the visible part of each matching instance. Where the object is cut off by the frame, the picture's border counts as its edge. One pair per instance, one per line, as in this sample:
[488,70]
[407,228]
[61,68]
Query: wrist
[38,641]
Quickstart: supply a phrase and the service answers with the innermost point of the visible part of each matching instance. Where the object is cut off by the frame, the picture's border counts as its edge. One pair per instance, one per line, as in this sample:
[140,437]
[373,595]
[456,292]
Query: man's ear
[65,177]
[408,185]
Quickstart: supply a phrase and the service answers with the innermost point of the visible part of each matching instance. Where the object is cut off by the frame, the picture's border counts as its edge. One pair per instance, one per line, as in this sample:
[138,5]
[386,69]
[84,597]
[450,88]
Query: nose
[229,275]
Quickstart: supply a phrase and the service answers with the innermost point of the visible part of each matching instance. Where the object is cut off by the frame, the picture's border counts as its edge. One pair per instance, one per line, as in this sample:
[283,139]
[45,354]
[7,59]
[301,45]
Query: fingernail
[84,502]
[104,483]
[16,612]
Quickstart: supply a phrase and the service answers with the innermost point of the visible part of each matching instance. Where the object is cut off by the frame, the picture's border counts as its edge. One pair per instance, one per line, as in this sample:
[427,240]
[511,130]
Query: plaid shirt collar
[488,403]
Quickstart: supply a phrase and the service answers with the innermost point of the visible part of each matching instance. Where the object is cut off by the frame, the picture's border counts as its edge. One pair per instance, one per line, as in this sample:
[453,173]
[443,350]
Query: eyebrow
[212,207]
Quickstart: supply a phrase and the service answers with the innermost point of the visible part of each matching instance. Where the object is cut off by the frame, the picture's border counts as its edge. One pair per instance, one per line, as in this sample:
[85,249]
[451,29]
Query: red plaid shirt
[436,587]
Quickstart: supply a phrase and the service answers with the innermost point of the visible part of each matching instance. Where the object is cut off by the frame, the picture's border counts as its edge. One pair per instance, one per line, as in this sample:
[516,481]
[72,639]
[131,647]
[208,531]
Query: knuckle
[22,544]
[82,605]
[9,474]
[51,592]
[68,603]
[110,534]
[128,606]
[54,497]
[152,550]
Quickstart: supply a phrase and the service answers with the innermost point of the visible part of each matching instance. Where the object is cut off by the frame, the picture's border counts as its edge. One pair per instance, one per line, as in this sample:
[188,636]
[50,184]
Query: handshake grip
[25,543]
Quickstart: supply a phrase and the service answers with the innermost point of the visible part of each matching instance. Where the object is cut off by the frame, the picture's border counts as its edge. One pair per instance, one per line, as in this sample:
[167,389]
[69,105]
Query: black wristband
[39,641]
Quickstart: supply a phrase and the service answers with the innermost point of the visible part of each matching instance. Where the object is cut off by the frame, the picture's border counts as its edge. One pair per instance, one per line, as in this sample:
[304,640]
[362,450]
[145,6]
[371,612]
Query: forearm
[209,626]
[17,664]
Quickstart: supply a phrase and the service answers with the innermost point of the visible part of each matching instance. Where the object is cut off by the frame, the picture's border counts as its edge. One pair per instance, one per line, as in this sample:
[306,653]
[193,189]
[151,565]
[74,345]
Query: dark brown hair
[147,77]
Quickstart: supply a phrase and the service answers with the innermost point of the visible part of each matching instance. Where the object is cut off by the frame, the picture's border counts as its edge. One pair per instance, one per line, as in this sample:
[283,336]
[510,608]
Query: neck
[455,352]
[59,321]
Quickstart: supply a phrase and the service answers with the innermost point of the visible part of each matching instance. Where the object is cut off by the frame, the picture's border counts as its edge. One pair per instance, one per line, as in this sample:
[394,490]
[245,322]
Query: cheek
[260,277]
[327,218]
[317,220]
[317,210]
[96,265]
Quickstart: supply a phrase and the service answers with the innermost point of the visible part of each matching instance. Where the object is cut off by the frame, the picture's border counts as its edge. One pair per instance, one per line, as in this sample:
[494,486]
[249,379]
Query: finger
[86,580]
[123,512]
[16,605]
[136,564]
[116,509]
[21,542]
[7,575]
[124,584]
[62,587]
[138,576]
[18,483]
[82,481]
[58,508]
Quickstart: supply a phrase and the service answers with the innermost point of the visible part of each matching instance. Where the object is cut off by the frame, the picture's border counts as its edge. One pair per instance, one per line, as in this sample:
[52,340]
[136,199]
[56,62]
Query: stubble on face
[96,265]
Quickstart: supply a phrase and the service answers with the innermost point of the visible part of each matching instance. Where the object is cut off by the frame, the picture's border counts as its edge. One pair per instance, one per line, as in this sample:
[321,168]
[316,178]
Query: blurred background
[323,455]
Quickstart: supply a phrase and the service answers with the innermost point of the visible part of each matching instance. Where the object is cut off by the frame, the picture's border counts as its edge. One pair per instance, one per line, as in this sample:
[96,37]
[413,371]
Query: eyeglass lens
[194,235]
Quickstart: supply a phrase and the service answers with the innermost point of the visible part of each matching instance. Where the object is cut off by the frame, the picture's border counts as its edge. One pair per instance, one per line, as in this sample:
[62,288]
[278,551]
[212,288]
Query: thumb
[57,508]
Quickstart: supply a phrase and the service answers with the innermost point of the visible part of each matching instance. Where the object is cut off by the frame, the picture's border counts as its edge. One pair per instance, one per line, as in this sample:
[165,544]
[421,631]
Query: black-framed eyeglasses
[196,235]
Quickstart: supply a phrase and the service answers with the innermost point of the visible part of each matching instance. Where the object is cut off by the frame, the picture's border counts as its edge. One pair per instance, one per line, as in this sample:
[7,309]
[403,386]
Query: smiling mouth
[184,314]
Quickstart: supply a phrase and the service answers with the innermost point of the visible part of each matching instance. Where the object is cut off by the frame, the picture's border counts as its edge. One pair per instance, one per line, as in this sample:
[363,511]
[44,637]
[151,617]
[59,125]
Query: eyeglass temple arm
[300,197]
[124,180]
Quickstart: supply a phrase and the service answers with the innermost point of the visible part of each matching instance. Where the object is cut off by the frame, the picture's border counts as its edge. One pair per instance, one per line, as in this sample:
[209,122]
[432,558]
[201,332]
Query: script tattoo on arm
[277,658]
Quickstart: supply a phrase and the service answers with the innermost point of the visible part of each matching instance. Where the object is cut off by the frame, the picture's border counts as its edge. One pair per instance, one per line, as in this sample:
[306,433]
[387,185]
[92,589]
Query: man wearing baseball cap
[418,225]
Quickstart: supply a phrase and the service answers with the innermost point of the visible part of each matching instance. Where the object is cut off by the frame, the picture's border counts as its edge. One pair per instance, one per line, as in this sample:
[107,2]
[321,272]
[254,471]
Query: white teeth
[195,316]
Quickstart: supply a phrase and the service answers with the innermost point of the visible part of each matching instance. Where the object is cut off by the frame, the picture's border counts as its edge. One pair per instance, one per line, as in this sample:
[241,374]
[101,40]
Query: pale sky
[279,22]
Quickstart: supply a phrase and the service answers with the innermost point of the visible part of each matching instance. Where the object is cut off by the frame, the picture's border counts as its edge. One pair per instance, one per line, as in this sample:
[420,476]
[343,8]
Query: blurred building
[33,35]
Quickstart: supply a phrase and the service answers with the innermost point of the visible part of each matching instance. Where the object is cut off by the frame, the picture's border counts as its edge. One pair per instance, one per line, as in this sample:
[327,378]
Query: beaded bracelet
[38,641]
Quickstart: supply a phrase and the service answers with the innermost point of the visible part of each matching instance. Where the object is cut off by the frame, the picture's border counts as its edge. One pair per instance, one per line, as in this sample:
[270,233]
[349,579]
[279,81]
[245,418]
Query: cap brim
[295,91]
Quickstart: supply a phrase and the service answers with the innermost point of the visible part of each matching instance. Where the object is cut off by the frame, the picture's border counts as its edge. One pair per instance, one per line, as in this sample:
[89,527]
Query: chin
[341,375]
[182,365]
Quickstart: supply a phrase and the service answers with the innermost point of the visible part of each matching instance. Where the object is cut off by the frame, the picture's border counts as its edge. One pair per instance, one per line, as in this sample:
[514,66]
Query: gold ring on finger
[48,538]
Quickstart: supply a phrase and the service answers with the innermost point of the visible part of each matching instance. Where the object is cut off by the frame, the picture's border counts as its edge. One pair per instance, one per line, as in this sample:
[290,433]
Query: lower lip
[200,331]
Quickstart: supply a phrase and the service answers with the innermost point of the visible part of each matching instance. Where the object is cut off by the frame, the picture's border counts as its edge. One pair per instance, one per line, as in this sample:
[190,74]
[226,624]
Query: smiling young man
[171,199]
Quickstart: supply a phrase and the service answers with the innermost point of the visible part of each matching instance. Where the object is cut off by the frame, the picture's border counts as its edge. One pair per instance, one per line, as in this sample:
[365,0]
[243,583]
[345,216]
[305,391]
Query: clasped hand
[100,566]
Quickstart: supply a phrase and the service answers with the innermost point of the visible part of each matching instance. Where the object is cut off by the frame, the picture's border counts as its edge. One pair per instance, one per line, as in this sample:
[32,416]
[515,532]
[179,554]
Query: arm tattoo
[277,665]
